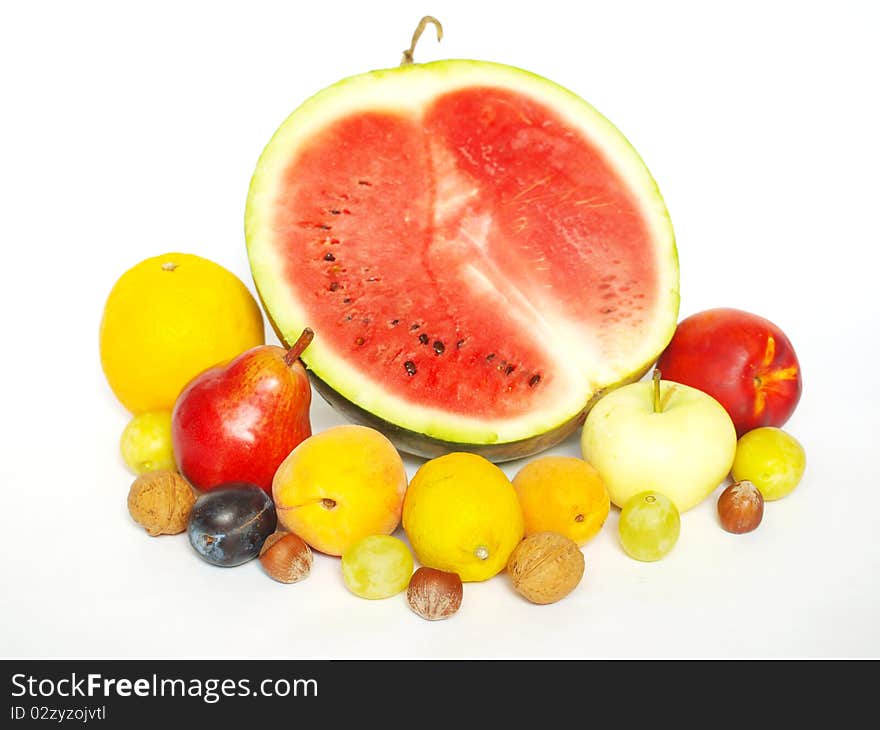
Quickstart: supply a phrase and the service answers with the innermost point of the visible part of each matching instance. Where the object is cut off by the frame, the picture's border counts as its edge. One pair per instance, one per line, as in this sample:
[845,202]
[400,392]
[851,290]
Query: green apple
[661,436]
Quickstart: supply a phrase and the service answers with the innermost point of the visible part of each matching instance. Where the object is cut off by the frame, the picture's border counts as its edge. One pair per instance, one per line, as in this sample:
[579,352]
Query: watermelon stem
[296,349]
[657,407]
[420,28]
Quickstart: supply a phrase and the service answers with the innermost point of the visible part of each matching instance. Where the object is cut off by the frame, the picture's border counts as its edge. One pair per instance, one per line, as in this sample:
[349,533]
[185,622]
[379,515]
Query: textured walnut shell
[434,594]
[285,557]
[160,501]
[546,567]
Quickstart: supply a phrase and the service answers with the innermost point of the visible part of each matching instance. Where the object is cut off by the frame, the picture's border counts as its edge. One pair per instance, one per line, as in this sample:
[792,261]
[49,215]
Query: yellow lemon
[166,320]
[461,515]
[562,494]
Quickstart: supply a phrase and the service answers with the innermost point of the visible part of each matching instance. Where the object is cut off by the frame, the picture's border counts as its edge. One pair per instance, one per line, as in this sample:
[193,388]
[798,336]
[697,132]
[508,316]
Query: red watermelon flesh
[479,263]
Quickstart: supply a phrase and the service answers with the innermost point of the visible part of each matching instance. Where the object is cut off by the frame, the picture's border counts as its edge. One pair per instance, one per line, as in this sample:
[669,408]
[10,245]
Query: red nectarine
[742,360]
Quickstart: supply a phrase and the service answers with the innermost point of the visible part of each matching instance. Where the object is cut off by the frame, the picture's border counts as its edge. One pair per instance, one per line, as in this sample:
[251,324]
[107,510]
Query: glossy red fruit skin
[238,422]
[742,360]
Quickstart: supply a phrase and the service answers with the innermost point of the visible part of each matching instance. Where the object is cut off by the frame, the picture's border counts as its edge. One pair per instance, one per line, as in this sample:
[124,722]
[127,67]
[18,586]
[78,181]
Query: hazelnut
[160,501]
[285,557]
[741,507]
[434,594]
[545,567]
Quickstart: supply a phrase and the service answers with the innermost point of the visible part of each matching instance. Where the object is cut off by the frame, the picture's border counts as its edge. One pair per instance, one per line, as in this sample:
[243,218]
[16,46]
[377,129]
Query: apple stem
[656,376]
[408,53]
[296,349]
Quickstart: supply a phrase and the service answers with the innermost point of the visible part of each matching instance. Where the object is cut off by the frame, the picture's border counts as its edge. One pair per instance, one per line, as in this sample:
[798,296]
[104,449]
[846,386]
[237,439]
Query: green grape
[378,566]
[146,443]
[649,526]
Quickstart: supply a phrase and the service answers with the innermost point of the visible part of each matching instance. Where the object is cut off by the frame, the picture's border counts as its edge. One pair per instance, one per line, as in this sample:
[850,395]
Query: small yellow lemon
[562,494]
[461,515]
[166,320]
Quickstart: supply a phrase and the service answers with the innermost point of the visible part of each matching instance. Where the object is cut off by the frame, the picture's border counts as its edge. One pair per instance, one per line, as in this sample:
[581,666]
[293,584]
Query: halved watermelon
[480,253]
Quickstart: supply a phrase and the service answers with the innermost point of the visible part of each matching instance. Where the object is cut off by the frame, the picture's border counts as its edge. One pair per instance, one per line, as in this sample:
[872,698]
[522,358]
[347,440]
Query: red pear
[237,422]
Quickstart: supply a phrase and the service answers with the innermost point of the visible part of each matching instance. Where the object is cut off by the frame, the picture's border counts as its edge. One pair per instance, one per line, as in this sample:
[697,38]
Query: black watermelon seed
[347,300]
[439,347]
[334,285]
[410,367]
[509,369]
[414,327]
[395,322]
[459,344]
[329,257]
[490,357]
[335,211]
[364,182]
[534,380]
[423,338]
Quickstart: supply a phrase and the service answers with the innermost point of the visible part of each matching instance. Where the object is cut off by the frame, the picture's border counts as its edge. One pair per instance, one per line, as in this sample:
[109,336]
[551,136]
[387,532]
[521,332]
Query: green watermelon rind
[410,86]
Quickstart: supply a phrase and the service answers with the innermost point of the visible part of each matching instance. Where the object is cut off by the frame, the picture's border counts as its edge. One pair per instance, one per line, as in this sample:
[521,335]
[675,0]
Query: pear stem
[408,53]
[296,349]
[656,376]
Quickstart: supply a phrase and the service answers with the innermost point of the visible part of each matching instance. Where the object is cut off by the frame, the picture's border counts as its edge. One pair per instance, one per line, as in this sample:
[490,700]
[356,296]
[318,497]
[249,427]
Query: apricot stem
[420,28]
[296,349]
[656,376]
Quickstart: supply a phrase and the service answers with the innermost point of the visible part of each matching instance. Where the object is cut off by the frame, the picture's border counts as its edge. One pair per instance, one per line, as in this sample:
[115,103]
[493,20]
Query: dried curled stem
[420,28]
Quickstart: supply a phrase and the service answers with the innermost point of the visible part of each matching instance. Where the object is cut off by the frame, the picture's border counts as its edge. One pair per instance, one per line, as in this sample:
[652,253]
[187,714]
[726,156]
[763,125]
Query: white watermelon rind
[410,87]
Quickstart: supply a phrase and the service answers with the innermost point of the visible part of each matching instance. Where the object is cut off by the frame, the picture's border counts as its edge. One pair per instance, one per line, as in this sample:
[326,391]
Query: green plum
[770,459]
[146,443]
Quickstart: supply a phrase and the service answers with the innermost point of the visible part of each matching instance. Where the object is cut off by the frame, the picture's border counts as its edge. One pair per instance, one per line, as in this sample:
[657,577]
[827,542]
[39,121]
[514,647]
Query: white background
[129,130]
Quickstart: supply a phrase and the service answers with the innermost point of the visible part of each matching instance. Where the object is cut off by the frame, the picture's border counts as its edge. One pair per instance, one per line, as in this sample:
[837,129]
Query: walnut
[545,567]
[160,501]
